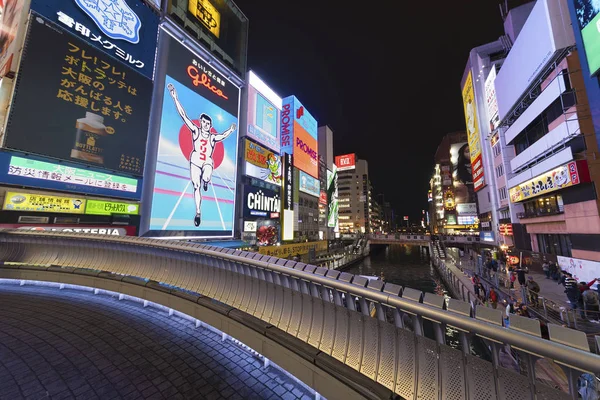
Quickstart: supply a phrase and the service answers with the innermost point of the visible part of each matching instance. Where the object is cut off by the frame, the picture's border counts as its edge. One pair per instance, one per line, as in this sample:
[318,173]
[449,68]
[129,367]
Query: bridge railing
[400,237]
[331,311]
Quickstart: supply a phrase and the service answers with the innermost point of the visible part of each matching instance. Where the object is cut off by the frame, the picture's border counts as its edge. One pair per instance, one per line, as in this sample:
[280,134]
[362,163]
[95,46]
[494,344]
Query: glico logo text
[306,148]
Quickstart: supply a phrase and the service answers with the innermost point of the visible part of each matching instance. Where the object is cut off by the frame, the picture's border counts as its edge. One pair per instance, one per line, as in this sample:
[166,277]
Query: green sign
[591,43]
[99,207]
[27,168]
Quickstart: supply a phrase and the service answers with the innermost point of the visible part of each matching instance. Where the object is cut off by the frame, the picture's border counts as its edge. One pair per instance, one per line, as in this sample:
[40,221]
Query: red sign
[323,197]
[506,229]
[347,161]
[406,217]
[478,177]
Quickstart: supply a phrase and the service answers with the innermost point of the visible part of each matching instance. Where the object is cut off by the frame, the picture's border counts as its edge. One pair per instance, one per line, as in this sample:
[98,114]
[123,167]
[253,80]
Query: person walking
[592,305]
[546,269]
[493,296]
[571,289]
[533,289]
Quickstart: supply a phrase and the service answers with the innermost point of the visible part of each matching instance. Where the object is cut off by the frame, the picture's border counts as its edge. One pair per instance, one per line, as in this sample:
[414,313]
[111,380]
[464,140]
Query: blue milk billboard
[124,29]
[195,177]
[264,109]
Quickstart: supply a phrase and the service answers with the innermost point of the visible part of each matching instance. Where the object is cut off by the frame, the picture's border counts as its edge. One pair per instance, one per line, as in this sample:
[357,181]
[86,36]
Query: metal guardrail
[330,311]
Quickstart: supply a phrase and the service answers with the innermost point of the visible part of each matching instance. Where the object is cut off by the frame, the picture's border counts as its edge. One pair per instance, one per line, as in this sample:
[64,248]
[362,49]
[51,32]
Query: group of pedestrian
[581,296]
[551,270]
[483,296]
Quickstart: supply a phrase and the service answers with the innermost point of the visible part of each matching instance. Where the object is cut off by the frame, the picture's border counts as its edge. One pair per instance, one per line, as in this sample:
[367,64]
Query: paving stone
[98,347]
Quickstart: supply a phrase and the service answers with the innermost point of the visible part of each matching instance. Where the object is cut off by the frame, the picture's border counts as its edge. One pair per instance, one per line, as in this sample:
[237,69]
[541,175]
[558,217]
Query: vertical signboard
[299,136]
[473,135]
[332,200]
[75,103]
[195,179]
[490,99]
[264,113]
[288,197]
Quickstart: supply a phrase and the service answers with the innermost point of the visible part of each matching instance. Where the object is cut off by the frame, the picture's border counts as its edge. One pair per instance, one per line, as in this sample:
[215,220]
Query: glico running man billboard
[299,136]
[264,113]
[195,179]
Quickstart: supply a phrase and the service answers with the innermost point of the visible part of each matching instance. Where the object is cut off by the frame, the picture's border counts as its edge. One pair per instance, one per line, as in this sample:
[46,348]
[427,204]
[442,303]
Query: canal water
[409,266]
[403,265]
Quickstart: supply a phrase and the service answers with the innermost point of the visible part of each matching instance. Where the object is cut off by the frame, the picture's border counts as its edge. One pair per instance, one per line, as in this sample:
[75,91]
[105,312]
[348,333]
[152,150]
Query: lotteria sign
[261,203]
[299,136]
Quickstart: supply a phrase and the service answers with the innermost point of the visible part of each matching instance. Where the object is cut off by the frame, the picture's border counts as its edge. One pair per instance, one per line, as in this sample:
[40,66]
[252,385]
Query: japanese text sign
[75,103]
[262,163]
[30,172]
[127,32]
[560,177]
[473,135]
[100,207]
[43,203]
[293,249]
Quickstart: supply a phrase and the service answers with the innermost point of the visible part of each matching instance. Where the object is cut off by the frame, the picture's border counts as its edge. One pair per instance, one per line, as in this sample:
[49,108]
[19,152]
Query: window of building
[499,170]
[554,244]
[548,205]
[496,149]
[502,193]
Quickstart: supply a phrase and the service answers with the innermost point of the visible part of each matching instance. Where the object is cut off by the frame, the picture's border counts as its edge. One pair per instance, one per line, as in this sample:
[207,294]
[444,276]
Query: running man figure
[201,161]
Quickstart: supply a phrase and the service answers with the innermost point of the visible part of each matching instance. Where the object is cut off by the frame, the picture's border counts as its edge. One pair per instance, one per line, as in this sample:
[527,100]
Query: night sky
[386,79]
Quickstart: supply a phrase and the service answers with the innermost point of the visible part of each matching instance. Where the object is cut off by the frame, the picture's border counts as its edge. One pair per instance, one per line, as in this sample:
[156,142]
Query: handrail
[582,360]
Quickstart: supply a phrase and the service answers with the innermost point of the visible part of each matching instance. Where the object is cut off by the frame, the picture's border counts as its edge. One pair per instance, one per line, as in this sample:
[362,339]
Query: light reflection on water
[409,266]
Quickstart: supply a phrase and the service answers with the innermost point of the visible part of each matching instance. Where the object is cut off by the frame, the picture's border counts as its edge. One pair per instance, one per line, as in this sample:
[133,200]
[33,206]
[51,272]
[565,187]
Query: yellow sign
[559,178]
[43,203]
[206,13]
[293,249]
[468,95]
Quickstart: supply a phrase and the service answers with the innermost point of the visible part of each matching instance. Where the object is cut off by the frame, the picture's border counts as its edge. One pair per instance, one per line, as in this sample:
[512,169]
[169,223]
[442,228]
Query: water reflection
[409,266]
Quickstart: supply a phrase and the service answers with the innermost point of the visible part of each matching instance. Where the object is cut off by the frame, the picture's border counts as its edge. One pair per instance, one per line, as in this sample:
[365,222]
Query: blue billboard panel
[39,173]
[124,29]
[195,179]
[264,108]
[309,185]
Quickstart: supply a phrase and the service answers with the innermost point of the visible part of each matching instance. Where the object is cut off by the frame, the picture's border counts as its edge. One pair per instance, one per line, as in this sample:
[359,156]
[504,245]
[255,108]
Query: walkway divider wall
[328,310]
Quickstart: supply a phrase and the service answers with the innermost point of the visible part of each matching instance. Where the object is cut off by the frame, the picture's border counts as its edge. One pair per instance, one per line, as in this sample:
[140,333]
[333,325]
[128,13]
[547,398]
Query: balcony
[543,212]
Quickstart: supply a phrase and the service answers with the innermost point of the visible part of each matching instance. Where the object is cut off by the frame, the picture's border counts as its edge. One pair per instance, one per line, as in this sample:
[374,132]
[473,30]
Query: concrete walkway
[74,345]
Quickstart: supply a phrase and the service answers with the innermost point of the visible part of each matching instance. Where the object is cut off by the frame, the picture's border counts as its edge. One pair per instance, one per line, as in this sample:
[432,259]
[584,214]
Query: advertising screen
[124,29]
[305,151]
[262,163]
[84,107]
[563,176]
[14,201]
[128,230]
[217,21]
[261,203]
[309,185]
[345,162]
[195,179]
[490,99]
[264,113]
[332,200]
[12,24]
[267,232]
[31,172]
[588,18]
[462,188]
[478,177]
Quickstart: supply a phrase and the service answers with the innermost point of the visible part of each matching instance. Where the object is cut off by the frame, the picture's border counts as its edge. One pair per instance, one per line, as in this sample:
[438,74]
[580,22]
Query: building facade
[353,195]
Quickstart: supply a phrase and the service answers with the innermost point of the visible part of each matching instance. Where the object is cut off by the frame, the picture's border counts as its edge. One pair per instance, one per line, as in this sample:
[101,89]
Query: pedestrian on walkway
[571,289]
[533,289]
[521,275]
[475,280]
[546,269]
[493,296]
[482,294]
[553,270]
[513,278]
[592,305]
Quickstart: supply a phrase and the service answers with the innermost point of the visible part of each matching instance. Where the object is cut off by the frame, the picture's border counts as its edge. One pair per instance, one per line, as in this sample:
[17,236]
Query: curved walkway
[71,344]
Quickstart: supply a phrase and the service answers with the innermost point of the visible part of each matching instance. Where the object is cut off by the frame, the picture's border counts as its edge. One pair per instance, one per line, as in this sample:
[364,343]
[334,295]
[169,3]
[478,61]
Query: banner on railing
[293,249]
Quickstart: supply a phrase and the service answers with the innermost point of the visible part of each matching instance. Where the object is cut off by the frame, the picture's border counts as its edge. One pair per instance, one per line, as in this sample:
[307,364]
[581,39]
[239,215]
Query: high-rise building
[545,115]
[353,194]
